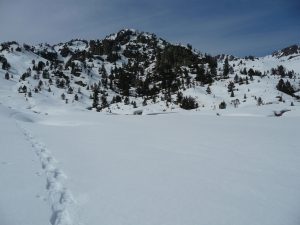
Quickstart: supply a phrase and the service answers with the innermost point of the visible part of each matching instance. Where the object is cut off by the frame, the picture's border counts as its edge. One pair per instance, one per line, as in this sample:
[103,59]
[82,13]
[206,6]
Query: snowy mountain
[291,52]
[221,156]
[137,72]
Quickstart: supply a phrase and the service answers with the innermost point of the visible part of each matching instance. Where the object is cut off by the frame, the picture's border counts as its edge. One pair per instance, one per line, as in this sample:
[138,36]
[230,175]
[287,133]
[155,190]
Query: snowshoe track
[60,197]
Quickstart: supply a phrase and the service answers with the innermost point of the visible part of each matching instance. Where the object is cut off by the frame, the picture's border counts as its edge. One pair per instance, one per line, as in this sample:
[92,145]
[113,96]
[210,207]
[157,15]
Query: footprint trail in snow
[60,198]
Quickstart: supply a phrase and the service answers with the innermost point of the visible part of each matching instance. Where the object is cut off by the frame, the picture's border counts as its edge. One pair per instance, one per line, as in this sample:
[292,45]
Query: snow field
[178,169]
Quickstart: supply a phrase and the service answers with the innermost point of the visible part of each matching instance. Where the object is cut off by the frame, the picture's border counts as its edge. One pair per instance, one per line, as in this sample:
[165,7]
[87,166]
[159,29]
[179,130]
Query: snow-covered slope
[63,164]
[133,71]
[74,169]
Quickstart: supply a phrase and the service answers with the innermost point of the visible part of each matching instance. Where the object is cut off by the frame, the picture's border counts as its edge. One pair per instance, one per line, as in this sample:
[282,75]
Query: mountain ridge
[131,69]
[285,51]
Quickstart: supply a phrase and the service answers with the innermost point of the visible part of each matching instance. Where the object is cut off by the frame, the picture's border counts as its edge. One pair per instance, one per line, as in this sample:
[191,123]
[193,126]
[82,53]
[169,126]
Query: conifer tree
[7,76]
[200,74]
[232,94]
[226,68]
[95,97]
[208,91]
[104,102]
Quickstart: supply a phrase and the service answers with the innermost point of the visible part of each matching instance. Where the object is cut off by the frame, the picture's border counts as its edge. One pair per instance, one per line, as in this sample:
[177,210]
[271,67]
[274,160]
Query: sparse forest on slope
[131,69]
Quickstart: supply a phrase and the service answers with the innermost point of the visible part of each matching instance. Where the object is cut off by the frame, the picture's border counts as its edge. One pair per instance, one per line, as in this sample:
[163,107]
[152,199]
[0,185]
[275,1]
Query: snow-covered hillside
[70,155]
[74,168]
[132,71]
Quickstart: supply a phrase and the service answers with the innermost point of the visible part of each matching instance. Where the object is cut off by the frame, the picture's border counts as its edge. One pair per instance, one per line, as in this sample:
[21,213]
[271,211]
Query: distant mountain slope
[134,71]
[290,51]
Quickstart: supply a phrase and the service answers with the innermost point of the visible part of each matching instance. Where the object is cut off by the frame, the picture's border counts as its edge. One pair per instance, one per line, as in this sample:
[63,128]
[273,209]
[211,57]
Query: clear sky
[238,27]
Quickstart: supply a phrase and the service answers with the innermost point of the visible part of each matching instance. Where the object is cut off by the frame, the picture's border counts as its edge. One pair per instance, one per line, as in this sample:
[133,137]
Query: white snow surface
[64,165]
[72,167]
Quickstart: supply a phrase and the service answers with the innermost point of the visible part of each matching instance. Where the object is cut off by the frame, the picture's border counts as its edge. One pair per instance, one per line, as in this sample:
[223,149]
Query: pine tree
[200,74]
[41,66]
[7,76]
[251,72]
[95,97]
[5,64]
[241,81]
[189,103]
[232,94]
[230,86]
[236,78]
[226,68]
[285,87]
[124,82]
[134,104]
[145,102]
[259,101]
[247,80]
[179,97]
[104,102]
[70,90]
[126,100]
[222,105]
[208,91]
[212,64]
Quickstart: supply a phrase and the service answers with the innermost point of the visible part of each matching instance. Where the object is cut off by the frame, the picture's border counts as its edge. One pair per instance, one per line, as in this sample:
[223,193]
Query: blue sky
[239,27]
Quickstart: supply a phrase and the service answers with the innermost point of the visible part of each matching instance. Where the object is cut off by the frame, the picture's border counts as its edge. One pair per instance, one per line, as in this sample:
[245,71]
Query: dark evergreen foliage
[95,97]
[226,68]
[5,64]
[222,105]
[285,87]
[6,76]
[208,91]
[282,71]
[189,103]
